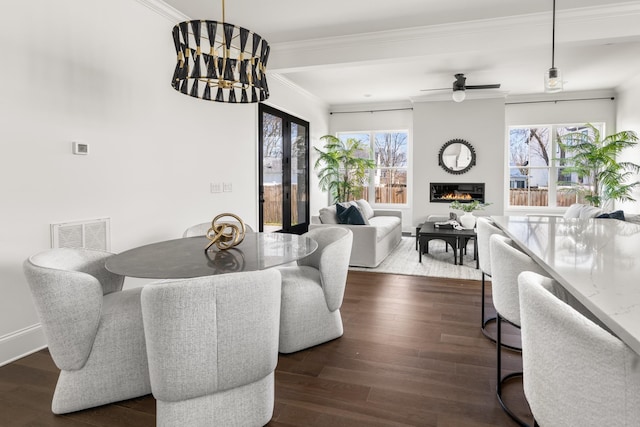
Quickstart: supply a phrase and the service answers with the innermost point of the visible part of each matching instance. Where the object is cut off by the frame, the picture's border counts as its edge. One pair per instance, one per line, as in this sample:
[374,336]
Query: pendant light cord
[553,36]
[223,20]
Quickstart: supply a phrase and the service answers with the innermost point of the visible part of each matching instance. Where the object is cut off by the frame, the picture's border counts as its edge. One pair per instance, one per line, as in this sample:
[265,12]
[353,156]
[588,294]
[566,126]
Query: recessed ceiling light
[367,95]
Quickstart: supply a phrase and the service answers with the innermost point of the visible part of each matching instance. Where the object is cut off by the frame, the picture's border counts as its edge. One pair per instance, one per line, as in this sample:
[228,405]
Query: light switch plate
[215,187]
[227,187]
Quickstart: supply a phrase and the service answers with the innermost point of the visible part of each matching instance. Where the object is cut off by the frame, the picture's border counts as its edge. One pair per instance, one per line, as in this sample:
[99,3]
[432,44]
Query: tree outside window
[388,181]
[536,163]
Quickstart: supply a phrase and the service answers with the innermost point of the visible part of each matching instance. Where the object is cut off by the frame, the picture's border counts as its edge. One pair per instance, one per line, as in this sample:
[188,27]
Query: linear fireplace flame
[447,192]
[457,196]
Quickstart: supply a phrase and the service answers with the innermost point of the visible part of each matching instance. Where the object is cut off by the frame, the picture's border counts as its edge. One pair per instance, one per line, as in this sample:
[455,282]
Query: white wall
[481,123]
[378,117]
[596,106]
[628,118]
[99,73]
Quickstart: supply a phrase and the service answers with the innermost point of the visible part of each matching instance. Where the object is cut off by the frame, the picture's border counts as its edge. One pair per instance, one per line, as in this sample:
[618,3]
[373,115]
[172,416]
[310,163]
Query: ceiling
[364,51]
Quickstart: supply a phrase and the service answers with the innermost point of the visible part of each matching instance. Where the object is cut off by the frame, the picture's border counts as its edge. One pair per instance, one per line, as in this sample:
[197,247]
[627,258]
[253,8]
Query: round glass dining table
[186,257]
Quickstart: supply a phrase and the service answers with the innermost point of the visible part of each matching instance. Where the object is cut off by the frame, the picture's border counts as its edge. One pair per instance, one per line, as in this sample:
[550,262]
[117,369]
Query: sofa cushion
[384,225]
[329,215]
[350,215]
[578,210]
[365,208]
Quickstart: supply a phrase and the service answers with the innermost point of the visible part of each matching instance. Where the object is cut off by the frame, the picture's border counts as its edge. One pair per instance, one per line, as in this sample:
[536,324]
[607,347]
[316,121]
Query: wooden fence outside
[272,207]
[539,197]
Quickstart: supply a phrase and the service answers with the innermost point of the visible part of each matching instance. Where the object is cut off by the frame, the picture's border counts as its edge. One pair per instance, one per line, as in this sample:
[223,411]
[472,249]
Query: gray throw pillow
[365,207]
[329,215]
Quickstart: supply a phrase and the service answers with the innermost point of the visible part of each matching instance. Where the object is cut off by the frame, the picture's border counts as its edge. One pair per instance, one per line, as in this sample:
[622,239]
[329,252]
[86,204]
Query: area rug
[437,263]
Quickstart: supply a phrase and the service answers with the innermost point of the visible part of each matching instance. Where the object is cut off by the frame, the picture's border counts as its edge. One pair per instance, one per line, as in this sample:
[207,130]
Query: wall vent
[89,234]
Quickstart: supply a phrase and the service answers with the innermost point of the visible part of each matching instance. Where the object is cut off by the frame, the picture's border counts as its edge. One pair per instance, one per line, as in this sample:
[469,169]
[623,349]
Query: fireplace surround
[447,192]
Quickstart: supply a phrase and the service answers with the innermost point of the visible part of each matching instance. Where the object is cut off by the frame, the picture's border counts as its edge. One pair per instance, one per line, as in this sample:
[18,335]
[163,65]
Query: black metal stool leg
[500,379]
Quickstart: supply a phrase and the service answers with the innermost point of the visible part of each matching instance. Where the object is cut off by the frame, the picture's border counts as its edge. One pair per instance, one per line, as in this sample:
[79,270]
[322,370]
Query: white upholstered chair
[93,328]
[213,348]
[575,372]
[485,229]
[202,228]
[507,262]
[312,291]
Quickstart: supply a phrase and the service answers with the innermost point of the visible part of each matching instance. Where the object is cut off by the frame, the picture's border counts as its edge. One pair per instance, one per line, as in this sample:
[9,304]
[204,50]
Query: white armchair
[312,292]
[213,348]
[93,328]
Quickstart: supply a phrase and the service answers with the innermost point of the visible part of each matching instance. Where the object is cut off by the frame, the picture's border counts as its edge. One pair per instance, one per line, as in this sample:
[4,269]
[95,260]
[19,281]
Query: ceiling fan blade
[494,86]
[441,88]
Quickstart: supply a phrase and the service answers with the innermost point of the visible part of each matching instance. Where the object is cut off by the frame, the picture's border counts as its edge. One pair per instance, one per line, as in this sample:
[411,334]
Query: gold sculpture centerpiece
[226,235]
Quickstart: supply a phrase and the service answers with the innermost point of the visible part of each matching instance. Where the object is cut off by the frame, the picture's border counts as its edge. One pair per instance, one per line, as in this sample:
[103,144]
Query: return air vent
[89,234]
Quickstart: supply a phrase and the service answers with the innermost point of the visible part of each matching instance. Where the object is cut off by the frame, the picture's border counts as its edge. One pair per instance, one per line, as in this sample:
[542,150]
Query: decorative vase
[467,220]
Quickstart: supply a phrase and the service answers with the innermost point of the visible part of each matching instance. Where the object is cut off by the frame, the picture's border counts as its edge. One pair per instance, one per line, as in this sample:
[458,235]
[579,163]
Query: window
[536,161]
[389,178]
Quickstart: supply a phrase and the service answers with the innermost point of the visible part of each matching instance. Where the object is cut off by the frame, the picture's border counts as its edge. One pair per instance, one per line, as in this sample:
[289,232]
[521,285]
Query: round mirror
[457,156]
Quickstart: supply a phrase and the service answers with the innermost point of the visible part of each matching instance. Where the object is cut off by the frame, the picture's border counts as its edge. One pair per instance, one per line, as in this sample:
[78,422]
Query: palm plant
[341,167]
[594,161]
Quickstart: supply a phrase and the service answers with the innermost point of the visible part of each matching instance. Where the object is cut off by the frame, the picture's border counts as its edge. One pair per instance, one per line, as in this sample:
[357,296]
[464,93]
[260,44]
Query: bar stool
[507,262]
[591,379]
[485,229]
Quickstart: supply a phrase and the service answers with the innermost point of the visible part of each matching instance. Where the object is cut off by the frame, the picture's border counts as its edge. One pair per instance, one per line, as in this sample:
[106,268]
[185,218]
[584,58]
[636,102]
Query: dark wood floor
[412,354]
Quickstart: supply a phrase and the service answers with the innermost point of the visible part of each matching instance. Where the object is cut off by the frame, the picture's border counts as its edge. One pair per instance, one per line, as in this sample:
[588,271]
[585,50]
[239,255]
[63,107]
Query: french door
[284,171]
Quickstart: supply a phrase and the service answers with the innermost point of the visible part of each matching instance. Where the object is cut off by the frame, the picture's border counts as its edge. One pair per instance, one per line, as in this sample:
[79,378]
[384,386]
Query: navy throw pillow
[613,215]
[350,215]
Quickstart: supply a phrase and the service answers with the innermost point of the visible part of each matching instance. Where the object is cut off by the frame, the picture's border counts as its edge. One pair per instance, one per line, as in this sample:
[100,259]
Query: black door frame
[287,120]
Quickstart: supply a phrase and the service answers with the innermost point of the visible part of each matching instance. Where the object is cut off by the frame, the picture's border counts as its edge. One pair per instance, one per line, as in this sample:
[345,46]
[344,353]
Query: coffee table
[457,239]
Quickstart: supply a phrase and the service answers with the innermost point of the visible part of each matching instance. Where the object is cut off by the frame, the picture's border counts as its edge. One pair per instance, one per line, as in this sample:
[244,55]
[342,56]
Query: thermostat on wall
[80,148]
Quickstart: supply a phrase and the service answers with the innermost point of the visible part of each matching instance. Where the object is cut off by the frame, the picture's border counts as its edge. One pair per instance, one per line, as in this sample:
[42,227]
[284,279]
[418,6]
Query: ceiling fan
[459,87]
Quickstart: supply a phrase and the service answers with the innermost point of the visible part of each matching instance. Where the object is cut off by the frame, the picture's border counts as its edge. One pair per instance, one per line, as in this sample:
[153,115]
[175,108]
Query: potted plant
[601,178]
[342,167]
[468,220]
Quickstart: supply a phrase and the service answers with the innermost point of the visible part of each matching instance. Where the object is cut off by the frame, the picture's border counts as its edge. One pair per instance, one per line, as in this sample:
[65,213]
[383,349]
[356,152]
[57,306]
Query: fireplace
[447,192]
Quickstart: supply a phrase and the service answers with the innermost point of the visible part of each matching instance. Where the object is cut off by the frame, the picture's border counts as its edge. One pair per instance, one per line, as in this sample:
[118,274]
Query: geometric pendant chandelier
[218,61]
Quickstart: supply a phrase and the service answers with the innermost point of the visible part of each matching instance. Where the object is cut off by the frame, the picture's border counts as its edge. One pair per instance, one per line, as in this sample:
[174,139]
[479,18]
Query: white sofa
[372,242]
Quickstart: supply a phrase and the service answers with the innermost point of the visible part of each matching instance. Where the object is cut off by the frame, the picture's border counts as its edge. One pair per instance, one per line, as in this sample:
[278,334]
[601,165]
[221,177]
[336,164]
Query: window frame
[372,173]
[552,169]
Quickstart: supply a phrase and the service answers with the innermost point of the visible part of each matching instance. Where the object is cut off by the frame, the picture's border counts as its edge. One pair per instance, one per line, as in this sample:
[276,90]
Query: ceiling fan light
[552,80]
[459,95]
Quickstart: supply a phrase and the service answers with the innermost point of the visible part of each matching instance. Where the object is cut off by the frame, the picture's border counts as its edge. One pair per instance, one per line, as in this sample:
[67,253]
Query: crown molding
[573,16]
[286,82]
[161,8]
[611,21]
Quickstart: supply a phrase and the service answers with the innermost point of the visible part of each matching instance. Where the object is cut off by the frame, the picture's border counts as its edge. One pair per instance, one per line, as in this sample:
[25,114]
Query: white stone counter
[597,260]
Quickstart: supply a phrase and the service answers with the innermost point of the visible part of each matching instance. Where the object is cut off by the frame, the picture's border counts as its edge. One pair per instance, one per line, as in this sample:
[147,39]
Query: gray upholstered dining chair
[213,348]
[507,262]
[202,228]
[575,372]
[312,291]
[93,328]
[485,229]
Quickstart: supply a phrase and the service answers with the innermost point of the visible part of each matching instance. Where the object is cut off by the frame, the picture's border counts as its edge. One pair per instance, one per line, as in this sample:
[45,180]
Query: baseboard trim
[19,344]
